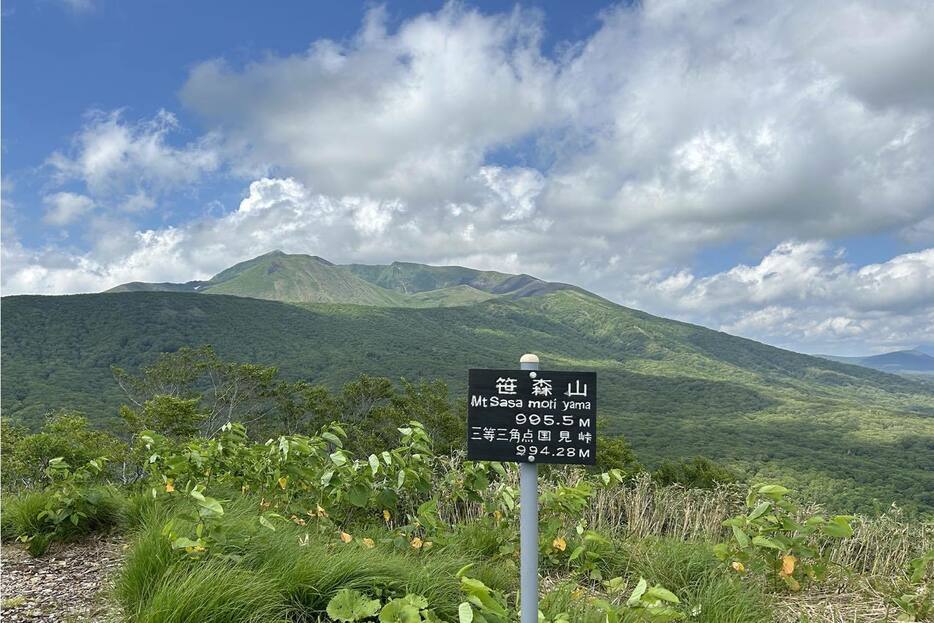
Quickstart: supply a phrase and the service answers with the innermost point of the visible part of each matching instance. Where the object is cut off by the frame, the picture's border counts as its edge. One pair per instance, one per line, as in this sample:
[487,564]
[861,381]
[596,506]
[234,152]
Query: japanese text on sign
[532,416]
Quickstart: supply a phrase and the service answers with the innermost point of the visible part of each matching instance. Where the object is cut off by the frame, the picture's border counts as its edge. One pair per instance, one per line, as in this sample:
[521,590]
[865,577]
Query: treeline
[837,433]
[193,393]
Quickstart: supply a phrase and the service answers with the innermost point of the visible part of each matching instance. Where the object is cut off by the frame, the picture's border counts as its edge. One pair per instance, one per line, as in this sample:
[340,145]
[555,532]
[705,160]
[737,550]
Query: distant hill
[913,361]
[844,433]
[278,276]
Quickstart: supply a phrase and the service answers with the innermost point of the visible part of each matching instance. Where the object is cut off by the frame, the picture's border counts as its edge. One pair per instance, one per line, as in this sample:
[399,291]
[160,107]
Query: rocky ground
[70,583]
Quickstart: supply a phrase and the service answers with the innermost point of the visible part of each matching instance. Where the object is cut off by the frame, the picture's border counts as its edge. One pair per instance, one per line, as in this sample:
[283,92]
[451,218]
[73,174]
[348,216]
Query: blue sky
[756,168]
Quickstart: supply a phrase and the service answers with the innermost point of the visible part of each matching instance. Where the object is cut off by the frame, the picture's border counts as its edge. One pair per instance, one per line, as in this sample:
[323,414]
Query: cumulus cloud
[111,156]
[406,114]
[64,208]
[801,293]
[806,291]
[800,120]
[454,137]
[276,213]
[727,115]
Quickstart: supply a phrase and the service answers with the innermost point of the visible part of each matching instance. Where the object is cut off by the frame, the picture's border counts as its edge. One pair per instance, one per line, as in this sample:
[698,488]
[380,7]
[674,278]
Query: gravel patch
[71,583]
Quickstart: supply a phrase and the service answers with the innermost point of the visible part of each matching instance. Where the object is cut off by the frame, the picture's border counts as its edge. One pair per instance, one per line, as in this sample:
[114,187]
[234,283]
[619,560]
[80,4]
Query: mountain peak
[302,278]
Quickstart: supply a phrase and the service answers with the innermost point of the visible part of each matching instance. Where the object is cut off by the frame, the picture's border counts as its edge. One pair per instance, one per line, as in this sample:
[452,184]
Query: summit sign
[532,416]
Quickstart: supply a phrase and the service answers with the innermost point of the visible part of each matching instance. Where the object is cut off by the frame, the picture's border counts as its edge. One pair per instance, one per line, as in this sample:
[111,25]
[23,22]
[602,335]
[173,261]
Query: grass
[273,576]
[21,517]
[291,573]
[703,583]
[20,514]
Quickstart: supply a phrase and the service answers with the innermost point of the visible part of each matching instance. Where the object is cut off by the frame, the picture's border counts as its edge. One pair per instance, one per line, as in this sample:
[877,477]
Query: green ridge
[842,433]
[278,276]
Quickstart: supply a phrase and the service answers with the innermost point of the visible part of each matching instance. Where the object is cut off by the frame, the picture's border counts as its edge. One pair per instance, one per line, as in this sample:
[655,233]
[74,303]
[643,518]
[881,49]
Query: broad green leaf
[374,463]
[741,537]
[638,592]
[400,611]
[762,541]
[358,495]
[465,613]
[662,593]
[775,492]
[350,606]
[387,498]
[759,511]
[838,527]
[332,439]
[210,506]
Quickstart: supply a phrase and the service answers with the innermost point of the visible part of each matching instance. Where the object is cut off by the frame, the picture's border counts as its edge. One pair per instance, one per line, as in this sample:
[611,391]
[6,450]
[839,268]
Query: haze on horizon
[757,168]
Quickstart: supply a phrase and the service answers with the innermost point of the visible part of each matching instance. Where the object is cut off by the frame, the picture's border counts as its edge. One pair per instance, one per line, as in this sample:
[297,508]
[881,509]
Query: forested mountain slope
[900,361]
[844,433]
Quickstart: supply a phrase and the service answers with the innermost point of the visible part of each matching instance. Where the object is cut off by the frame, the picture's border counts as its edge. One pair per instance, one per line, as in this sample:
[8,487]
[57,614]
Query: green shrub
[696,473]
[36,517]
[21,514]
[66,435]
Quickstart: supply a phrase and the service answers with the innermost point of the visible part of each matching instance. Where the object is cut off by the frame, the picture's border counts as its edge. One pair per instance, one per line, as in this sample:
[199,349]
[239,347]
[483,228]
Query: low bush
[21,514]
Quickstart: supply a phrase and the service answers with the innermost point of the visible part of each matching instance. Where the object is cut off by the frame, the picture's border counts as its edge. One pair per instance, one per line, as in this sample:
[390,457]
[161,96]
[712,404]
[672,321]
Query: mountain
[913,361]
[277,276]
[844,433]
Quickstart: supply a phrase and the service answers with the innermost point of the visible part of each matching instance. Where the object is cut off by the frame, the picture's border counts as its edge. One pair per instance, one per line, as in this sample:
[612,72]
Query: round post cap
[528,358]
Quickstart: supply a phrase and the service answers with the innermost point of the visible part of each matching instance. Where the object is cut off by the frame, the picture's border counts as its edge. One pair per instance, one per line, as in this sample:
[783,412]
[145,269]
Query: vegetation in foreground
[854,438]
[357,522]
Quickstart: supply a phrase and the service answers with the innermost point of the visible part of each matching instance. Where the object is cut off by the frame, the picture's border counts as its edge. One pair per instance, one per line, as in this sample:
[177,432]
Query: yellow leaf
[320,511]
[346,538]
[169,486]
[788,565]
[428,544]
[417,543]
[369,542]
[559,543]
[738,566]
[576,593]
[386,515]
[282,482]
[498,515]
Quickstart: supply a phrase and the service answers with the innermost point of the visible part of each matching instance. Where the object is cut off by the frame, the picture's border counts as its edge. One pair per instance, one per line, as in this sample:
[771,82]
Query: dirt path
[69,584]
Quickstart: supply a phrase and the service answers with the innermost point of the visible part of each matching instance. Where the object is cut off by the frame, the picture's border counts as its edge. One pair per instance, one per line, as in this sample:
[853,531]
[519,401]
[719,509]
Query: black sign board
[532,416]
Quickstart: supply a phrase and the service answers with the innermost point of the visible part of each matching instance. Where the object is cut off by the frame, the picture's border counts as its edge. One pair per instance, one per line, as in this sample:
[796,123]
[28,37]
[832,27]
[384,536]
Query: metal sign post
[527,416]
[528,526]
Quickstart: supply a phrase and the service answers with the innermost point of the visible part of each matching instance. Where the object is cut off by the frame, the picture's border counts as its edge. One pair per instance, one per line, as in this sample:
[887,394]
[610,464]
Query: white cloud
[453,138]
[408,114]
[806,292]
[728,115]
[114,158]
[64,208]
[707,121]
